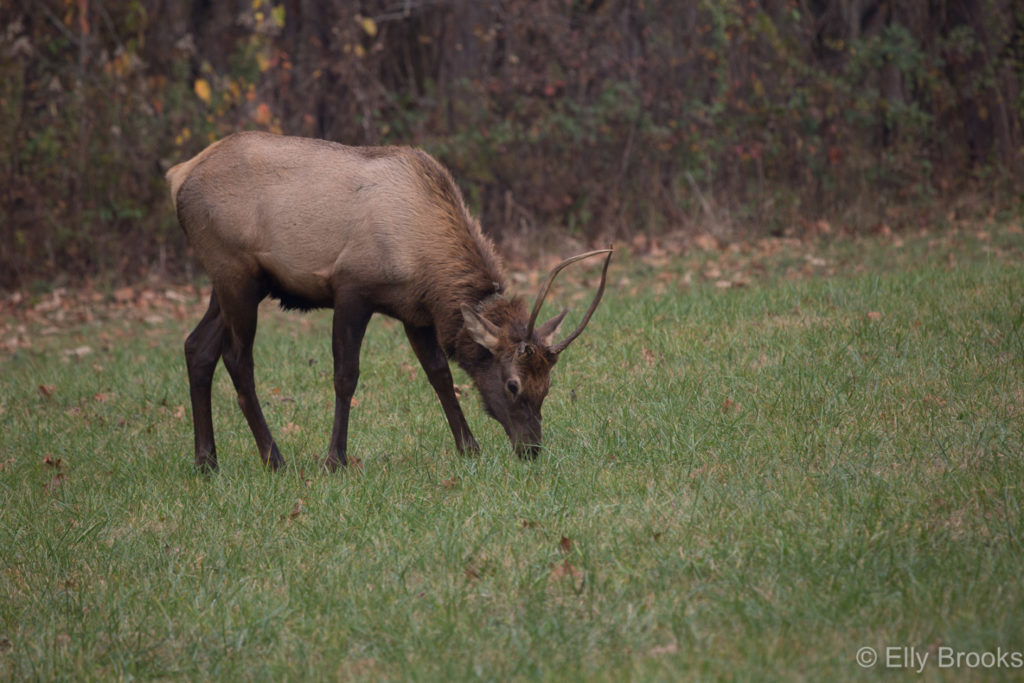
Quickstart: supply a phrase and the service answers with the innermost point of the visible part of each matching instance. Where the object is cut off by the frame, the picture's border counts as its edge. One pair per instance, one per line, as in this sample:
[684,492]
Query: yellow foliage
[369,25]
[202,89]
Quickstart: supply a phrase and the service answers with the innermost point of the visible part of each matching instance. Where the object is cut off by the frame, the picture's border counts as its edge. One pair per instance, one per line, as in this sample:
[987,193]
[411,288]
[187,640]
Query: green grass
[741,483]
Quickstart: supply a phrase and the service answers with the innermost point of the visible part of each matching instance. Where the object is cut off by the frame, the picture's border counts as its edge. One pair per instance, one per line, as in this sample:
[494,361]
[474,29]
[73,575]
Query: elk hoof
[333,463]
[274,461]
[206,464]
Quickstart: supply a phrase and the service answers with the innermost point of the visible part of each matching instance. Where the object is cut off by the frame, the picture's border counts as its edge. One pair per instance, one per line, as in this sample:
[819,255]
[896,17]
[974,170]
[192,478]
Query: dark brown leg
[428,350]
[350,319]
[202,351]
[240,317]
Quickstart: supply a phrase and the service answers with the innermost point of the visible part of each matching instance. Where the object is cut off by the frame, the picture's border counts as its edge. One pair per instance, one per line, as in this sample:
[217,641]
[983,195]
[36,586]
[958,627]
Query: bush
[601,118]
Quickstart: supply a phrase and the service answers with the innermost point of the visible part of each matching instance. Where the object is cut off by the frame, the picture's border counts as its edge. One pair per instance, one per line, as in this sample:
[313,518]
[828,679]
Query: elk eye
[512,386]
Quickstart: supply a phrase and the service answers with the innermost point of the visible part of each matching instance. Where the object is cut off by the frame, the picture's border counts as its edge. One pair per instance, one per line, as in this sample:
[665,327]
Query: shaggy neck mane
[467,271]
[474,278]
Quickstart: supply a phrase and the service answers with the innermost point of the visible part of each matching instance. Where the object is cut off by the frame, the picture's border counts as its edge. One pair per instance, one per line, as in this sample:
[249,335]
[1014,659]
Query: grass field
[758,461]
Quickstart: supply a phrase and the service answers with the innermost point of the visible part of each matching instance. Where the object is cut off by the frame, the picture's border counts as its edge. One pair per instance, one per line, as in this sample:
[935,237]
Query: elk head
[510,357]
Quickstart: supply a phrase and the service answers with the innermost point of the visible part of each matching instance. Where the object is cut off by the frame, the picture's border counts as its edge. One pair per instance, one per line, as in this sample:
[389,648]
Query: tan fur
[315,216]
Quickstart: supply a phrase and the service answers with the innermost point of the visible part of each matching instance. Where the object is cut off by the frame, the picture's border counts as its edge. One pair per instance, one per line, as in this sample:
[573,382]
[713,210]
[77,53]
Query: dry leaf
[565,569]
[55,482]
[297,510]
[705,242]
[411,369]
[666,649]
[450,483]
[874,315]
[78,351]
[51,461]
[565,545]
[47,390]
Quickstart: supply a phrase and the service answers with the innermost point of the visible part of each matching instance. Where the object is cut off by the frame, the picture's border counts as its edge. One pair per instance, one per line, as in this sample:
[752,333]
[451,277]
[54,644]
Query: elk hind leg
[350,319]
[202,351]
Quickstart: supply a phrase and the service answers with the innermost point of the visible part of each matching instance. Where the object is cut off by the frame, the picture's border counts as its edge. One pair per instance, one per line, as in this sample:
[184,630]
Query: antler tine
[543,293]
[560,346]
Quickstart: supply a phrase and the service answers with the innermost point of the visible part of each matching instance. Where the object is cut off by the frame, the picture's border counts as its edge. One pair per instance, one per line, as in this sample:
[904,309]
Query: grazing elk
[317,224]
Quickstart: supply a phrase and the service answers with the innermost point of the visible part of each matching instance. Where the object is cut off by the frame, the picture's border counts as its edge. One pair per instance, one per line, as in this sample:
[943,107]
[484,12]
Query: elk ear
[483,332]
[548,330]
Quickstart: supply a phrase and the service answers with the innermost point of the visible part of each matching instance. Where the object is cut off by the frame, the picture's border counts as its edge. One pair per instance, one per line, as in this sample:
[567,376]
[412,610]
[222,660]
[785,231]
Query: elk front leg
[428,351]
[239,313]
[350,320]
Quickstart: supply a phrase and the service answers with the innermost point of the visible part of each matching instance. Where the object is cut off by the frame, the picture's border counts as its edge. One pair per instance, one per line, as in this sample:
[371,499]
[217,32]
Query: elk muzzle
[525,435]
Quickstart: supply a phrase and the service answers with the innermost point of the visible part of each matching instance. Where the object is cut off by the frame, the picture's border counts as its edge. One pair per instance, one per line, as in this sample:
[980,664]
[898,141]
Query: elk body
[317,224]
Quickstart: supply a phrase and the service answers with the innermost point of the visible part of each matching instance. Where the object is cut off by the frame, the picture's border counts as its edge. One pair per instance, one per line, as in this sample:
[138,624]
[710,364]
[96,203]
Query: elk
[360,230]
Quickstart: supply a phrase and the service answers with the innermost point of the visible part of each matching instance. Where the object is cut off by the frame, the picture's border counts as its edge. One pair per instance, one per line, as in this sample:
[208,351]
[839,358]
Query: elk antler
[542,294]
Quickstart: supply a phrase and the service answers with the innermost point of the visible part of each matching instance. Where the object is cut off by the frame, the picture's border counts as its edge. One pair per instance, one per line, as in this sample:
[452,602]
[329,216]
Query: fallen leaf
[55,482]
[566,570]
[450,483]
[666,649]
[51,461]
[411,369]
[528,524]
[565,545]
[874,315]
[705,242]
[292,428]
[297,510]
[124,295]
[101,397]
[354,402]
[47,390]
[179,412]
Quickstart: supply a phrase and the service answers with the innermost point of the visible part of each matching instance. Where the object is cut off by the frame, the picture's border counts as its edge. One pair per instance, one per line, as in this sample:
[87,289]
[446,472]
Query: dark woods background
[596,118]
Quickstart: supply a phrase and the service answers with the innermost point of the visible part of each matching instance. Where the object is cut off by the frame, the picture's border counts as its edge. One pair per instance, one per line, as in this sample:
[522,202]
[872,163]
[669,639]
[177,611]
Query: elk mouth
[525,438]
[527,451]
